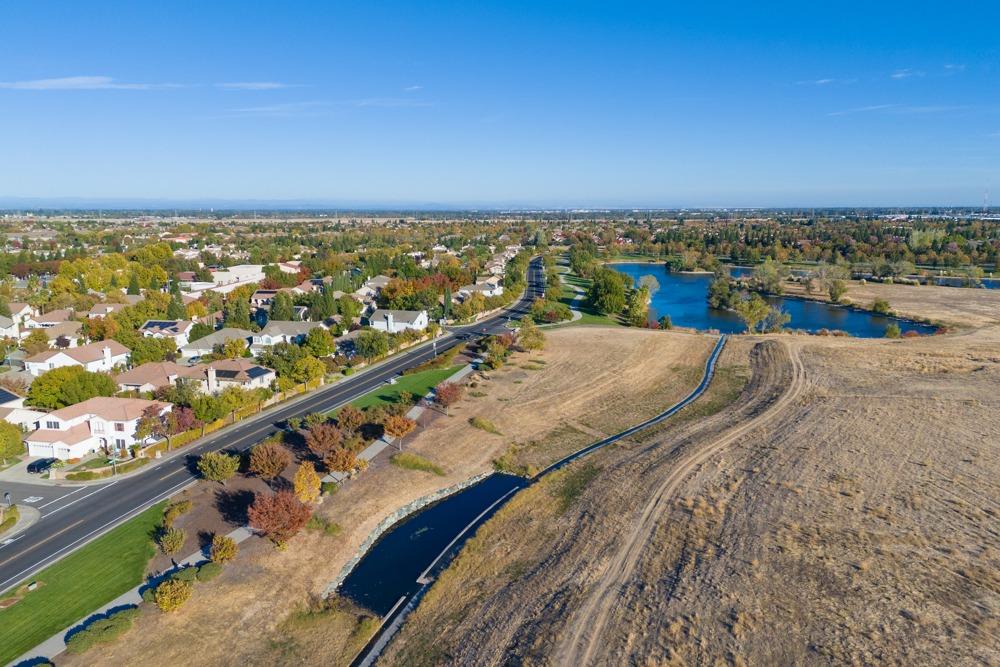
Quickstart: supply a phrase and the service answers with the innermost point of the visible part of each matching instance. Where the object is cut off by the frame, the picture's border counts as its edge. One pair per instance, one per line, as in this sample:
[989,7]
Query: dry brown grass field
[843,509]
[265,608]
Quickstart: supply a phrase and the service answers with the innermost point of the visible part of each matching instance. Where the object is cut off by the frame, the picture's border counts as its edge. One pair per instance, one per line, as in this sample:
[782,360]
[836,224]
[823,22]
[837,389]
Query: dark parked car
[40,466]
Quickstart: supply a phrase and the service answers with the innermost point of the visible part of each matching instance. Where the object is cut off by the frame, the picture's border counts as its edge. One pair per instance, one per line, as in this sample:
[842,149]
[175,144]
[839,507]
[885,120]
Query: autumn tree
[278,516]
[269,459]
[530,337]
[223,549]
[10,441]
[306,483]
[447,394]
[323,438]
[399,426]
[341,459]
[218,466]
[752,311]
[350,419]
[171,594]
[35,342]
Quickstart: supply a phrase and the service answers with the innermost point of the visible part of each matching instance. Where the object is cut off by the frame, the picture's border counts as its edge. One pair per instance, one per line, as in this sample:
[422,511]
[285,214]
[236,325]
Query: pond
[392,566]
[683,296]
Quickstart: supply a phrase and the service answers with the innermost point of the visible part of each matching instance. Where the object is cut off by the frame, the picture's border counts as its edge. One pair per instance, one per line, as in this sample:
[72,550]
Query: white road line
[62,497]
[59,509]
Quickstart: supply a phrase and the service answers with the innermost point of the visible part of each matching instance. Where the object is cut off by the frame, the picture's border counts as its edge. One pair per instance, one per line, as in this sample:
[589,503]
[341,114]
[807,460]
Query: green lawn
[589,315]
[417,384]
[79,584]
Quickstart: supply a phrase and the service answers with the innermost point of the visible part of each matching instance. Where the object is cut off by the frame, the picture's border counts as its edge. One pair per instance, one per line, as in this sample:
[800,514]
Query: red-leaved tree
[278,516]
[447,394]
[321,439]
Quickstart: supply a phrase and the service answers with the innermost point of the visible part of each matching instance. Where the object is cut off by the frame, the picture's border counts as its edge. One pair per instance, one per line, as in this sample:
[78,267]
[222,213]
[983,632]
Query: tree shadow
[233,504]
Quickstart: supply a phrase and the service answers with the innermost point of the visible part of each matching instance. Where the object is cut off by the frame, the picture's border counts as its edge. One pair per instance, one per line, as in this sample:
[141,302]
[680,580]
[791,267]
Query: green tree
[320,342]
[372,344]
[35,342]
[171,540]
[446,302]
[218,466]
[637,311]
[721,291]
[837,288]
[10,441]
[770,276]
[236,313]
[133,285]
[607,291]
[282,308]
[147,348]
[349,308]
[529,336]
[68,385]
[892,330]
[881,306]
[200,330]
[176,309]
[752,311]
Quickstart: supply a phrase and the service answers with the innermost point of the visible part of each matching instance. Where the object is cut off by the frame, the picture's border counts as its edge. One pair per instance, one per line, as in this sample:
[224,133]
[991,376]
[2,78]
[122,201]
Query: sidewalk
[56,644]
[371,451]
[27,516]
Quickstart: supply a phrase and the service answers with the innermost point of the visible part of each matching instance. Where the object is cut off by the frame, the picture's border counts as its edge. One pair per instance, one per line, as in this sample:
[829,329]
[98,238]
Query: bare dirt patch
[854,521]
[264,609]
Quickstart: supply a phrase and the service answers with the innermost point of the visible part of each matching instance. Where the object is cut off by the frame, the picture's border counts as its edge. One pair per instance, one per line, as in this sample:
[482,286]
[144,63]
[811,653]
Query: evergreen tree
[236,313]
[282,308]
[176,309]
[133,285]
[446,306]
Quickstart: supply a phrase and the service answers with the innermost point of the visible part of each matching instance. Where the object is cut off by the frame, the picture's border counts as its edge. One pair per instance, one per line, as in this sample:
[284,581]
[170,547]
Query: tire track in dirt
[587,624]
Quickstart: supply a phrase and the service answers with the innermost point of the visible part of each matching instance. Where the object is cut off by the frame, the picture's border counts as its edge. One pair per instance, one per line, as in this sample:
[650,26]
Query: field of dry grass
[843,509]
[264,608]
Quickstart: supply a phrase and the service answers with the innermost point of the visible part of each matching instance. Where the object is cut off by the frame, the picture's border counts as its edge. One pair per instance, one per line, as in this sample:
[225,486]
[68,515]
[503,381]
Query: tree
[320,342]
[171,540]
[10,441]
[306,483]
[721,292]
[224,549]
[68,385]
[775,320]
[35,342]
[447,394]
[607,291]
[665,322]
[218,466]
[151,424]
[372,344]
[752,311]
[350,418]
[133,285]
[176,309]
[236,312]
[881,306]
[399,426]
[171,594]
[321,439]
[199,330]
[307,369]
[341,459]
[282,308]
[637,312]
[446,302]
[234,348]
[769,276]
[837,288]
[269,459]
[146,349]
[892,330]
[349,308]
[530,337]
[278,516]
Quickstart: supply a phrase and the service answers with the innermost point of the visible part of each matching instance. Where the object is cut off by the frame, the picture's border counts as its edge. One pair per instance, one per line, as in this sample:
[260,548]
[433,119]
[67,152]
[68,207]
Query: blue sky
[497,104]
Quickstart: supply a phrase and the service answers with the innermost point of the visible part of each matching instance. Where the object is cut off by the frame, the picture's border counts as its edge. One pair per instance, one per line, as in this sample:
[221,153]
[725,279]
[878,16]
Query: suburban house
[176,330]
[9,327]
[153,375]
[99,423]
[49,319]
[263,297]
[208,378]
[206,344]
[488,287]
[12,410]
[282,331]
[395,321]
[64,334]
[21,312]
[102,356]
[104,309]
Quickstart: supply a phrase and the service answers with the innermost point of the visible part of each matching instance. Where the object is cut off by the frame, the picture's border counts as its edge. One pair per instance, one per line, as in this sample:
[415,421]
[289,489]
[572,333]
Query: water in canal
[683,296]
[391,567]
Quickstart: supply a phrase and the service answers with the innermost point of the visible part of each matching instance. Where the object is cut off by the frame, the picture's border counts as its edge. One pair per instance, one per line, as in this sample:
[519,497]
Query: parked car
[40,466]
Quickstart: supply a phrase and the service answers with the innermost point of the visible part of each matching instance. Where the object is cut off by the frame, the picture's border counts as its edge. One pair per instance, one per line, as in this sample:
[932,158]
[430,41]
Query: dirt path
[586,625]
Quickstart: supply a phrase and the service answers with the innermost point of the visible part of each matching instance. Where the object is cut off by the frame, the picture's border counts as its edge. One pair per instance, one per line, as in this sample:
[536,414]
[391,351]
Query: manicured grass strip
[417,384]
[79,584]
[410,461]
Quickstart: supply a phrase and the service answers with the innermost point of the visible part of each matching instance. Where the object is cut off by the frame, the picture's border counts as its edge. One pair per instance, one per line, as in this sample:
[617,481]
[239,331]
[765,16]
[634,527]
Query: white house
[208,378]
[489,287]
[22,312]
[99,423]
[49,319]
[9,327]
[104,309]
[101,356]
[282,331]
[206,344]
[12,410]
[176,330]
[394,321]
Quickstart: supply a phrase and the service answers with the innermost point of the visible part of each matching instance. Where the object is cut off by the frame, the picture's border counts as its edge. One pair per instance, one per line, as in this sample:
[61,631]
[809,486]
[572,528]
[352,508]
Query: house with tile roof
[100,423]
[101,356]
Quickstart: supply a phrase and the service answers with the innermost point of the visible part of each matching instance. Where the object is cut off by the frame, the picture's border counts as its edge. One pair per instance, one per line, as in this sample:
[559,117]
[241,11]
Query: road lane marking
[62,497]
[33,499]
[59,509]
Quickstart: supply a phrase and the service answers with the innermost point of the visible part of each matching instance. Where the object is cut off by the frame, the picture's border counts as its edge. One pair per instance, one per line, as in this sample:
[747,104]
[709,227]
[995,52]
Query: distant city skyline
[504,105]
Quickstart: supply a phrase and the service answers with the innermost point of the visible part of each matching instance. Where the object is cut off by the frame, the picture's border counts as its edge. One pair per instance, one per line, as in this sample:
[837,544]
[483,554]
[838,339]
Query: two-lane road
[72,516]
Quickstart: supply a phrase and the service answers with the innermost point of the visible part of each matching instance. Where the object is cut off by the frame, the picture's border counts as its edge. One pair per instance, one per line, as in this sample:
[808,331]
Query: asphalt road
[72,516]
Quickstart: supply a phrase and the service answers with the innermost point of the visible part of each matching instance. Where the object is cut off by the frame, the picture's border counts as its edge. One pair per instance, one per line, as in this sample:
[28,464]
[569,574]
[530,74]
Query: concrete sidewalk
[56,644]
[27,515]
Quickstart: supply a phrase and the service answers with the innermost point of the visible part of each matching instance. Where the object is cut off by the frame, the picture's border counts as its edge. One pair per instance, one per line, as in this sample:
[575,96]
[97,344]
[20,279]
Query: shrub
[484,425]
[218,466]
[892,331]
[104,631]
[171,594]
[328,488]
[224,549]
[881,306]
[188,574]
[174,510]
[328,527]
[149,594]
[209,571]
[171,540]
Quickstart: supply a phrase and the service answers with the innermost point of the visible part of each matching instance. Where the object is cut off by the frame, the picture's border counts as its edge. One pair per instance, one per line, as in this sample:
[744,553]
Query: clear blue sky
[507,103]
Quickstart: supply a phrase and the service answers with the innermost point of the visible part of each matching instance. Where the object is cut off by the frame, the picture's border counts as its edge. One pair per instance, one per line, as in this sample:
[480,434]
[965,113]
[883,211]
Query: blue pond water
[390,568]
[682,296]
